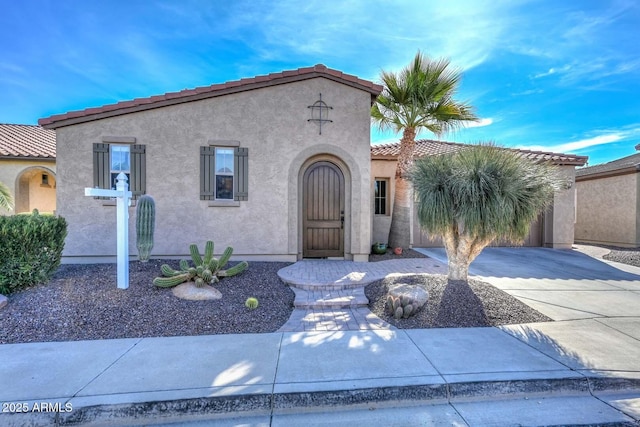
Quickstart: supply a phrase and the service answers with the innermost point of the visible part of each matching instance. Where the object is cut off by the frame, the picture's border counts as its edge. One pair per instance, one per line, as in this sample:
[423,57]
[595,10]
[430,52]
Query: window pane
[224,187]
[224,161]
[383,189]
[120,158]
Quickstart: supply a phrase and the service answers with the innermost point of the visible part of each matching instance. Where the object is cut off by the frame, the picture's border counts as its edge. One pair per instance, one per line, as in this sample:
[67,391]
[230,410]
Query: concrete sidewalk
[590,370]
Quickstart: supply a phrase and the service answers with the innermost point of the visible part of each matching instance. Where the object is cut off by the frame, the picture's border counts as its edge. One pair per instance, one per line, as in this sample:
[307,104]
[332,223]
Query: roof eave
[53,123]
[610,173]
[31,158]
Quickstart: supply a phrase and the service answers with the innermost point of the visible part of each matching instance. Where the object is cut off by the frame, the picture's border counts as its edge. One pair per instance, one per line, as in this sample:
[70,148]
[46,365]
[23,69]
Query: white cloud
[606,137]
[588,142]
[481,123]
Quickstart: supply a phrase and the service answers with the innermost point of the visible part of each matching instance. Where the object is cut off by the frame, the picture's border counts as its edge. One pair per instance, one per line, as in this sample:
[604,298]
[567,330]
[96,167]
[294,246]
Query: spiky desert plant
[206,270]
[400,307]
[251,303]
[145,225]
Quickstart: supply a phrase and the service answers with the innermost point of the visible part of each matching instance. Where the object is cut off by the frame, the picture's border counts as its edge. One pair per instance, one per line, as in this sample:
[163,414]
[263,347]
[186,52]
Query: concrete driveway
[562,284]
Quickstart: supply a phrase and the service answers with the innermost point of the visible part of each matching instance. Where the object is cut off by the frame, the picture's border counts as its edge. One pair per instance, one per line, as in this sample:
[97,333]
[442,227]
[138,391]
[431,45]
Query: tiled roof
[428,147]
[630,162]
[27,141]
[198,93]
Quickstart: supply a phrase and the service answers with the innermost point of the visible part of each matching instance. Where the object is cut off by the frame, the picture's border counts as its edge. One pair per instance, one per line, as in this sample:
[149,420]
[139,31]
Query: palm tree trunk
[400,231]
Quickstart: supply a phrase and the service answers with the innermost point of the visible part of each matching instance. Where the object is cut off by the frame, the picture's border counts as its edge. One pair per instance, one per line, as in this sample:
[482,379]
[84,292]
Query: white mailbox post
[123,200]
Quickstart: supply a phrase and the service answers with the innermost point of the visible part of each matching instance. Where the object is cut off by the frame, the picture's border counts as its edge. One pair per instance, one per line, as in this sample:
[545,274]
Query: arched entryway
[35,189]
[323,213]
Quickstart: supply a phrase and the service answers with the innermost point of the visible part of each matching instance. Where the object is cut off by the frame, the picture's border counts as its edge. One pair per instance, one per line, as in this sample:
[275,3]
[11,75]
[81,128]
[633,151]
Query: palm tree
[478,194]
[418,97]
[6,200]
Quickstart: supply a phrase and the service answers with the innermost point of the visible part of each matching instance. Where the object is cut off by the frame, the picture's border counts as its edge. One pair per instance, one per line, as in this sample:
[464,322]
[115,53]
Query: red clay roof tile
[27,141]
[428,147]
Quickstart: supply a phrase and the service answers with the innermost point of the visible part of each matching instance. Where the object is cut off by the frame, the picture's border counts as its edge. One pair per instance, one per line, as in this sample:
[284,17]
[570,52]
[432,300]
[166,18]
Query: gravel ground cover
[453,304]
[82,302]
[630,256]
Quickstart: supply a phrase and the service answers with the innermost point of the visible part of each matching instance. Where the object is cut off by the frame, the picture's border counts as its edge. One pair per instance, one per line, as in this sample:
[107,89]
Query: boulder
[190,291]
[417,293]
[3,301]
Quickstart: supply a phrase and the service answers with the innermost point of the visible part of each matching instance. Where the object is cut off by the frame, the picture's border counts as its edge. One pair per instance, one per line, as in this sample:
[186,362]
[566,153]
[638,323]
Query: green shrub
[30,249]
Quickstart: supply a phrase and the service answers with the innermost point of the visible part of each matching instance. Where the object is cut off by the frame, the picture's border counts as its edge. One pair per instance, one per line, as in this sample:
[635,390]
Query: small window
[381,196]
[224,174]
[109,159]
[120,162]
[45,179]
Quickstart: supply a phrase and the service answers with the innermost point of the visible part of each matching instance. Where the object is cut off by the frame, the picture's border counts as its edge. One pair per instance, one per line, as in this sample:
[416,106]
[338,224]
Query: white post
[122,205]
[122,222]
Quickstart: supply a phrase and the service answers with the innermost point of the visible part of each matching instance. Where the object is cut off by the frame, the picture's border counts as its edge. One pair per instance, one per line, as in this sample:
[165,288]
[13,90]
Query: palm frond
[420,96]
[6,200]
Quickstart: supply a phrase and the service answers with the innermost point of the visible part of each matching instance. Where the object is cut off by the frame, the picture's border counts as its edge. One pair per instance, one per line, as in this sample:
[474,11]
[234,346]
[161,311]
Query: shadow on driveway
[540,263]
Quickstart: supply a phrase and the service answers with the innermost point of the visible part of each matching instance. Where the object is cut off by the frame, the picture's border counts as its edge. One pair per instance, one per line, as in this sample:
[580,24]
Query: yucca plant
[478,194]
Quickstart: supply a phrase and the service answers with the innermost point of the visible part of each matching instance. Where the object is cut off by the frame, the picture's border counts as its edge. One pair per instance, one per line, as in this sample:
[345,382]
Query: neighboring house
[608,203]
[276,166]
[554,228]
[28,167]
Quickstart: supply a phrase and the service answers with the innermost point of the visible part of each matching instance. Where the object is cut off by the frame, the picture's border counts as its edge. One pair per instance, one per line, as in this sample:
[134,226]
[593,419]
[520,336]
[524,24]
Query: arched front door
[323,211]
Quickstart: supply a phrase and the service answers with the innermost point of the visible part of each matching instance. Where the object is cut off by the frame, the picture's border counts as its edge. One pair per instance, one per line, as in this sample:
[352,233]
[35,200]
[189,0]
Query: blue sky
[549,75]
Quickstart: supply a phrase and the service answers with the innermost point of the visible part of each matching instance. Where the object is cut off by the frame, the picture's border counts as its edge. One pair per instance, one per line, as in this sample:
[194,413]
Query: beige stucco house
[608,203]
[276,166]
[28,167]
[553,229]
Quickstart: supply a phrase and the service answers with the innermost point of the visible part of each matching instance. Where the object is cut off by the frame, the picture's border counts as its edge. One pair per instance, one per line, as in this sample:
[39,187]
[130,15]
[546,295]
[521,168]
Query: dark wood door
[323,211]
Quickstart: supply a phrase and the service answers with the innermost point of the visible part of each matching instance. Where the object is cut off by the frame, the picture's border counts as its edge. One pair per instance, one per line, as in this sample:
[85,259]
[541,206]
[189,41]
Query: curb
[245,405]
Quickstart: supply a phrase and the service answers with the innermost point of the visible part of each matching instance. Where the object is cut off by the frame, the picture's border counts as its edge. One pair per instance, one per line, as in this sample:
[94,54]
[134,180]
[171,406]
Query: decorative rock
[417,293]
[3,301]
[190,291]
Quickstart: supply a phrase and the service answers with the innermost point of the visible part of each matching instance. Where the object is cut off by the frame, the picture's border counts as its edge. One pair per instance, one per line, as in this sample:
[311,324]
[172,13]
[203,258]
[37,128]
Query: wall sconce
[320,113]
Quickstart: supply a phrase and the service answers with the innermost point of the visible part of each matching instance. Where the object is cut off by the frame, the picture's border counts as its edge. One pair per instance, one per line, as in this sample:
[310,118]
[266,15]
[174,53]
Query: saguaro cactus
[145,224]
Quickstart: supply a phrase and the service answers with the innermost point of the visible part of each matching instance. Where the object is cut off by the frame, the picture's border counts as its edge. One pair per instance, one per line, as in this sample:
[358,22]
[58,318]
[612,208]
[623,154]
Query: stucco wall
[607,210]
[382,223]
[43,199]
[272,123]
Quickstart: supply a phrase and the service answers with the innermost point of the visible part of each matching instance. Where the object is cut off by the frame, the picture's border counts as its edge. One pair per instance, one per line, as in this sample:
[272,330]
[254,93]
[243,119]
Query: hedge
[30,249]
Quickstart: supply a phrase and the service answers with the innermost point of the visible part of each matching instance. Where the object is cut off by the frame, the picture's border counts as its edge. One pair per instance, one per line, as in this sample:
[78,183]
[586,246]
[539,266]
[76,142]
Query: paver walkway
[330,294]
